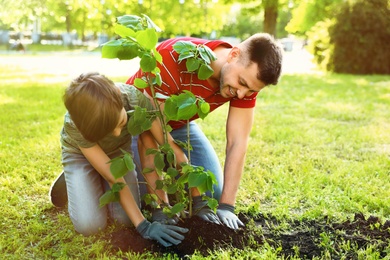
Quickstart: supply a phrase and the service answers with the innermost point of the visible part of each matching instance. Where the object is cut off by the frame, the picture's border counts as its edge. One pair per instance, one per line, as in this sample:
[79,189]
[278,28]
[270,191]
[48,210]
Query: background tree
[356,40]
[307,13]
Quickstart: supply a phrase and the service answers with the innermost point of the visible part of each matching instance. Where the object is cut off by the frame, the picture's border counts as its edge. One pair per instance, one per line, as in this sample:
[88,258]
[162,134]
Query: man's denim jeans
[202,154]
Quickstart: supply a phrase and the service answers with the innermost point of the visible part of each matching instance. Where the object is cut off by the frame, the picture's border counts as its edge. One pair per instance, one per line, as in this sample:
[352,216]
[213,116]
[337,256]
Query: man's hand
[203,211]
[159,216]
[226,214]
[166,235]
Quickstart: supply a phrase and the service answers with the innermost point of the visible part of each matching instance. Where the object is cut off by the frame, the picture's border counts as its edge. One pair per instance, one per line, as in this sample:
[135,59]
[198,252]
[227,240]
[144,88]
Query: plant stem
[160,113]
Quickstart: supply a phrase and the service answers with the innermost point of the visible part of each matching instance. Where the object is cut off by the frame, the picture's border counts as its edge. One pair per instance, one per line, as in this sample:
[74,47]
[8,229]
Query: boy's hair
[94,104]
[262,49]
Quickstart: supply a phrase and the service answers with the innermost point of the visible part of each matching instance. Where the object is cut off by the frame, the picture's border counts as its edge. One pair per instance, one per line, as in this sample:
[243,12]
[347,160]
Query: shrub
[358,40]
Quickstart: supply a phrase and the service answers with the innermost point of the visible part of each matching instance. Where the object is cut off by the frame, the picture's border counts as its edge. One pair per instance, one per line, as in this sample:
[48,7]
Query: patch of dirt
[305,239]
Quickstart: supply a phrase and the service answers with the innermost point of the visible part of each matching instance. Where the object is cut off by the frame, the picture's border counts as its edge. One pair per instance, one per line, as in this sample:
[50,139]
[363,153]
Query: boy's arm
[99,160]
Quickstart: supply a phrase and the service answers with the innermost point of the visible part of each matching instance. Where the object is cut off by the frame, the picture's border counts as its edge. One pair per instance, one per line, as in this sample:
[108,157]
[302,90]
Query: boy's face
[121,123]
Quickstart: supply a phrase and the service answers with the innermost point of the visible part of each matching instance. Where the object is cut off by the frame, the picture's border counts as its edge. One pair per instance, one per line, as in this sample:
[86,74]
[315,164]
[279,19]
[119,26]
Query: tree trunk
[270,16]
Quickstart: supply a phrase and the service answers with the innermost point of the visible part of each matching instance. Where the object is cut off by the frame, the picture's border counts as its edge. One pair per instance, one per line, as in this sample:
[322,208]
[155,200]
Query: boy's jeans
[85,186]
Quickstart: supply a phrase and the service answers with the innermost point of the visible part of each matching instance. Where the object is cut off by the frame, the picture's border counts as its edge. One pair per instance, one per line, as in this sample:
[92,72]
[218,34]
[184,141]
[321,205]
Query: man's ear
[234,54]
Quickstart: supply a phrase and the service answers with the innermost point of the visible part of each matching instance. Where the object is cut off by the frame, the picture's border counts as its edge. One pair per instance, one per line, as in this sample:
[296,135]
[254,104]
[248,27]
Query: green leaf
[205,71]
[185,55]
[205,107]
[158,78]
[147,38]
[159,184]
[123,31]
[172,189]
[196,179]
[110,49]
[150,199]
[157,55]
[147,62]
[140,83]
[161,96]
[130,21]
[118,167]
[128,51]
[171,157]
[151,151]
[133,127]
[212,203]
[184,46]
[187,111]
[172,172]
[159,161]
[129,162]
[108,197]
[117,187]
[192,64]
[151,24]
[182,179]
[178,207]
[210,53]
[147,170]
[203,54]
[146,124]
[170,108]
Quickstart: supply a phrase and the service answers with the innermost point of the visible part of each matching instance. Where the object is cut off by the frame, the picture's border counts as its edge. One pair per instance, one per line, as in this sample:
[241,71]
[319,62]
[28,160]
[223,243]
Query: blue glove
[166,235]
[226,214]
[159,216]
[203,211]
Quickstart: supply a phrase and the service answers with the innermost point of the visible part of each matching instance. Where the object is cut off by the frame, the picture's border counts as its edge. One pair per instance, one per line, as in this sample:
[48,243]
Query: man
[240,73]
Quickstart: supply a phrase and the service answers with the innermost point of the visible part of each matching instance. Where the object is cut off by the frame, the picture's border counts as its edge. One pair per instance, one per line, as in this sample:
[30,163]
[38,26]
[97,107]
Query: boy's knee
[89,224]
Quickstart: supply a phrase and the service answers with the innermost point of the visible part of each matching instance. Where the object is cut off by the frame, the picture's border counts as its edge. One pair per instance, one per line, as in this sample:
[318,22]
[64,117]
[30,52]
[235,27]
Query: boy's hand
[166,235]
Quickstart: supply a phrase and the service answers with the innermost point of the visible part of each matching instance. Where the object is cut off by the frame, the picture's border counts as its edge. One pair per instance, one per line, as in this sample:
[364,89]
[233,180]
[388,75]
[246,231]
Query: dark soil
[304,239]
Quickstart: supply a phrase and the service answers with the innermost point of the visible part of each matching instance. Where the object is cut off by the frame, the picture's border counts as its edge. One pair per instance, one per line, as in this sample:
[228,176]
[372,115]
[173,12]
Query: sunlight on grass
[319,147]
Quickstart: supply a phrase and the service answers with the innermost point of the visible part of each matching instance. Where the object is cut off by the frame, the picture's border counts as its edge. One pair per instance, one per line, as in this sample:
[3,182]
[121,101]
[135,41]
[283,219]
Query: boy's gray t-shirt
[71,138]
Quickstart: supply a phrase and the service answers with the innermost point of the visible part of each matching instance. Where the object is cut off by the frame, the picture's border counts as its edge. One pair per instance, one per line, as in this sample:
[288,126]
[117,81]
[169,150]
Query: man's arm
[238,127]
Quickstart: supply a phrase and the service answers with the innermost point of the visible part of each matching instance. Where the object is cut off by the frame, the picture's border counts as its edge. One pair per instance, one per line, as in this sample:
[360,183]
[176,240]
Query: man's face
[238,80]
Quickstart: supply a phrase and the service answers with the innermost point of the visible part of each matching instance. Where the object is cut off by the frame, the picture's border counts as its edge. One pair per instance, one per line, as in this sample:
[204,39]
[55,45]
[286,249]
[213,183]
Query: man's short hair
[262,49]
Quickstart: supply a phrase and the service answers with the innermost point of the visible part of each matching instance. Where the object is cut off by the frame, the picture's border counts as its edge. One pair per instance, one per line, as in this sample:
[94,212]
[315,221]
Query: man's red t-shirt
[176,78]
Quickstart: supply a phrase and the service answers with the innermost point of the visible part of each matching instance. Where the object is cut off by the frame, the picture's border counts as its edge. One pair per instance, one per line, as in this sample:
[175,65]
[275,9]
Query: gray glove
[166,235]
[226,214]
[203,211]
[159,216]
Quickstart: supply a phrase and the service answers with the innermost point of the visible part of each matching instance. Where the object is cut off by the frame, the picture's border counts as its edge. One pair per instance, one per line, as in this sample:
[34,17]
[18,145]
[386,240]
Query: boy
[94,131]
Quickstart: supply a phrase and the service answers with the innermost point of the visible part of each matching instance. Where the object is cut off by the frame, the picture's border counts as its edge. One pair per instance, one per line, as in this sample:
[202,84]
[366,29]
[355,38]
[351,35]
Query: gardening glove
[159,216]
[226,214]
[166,235]
[203,211]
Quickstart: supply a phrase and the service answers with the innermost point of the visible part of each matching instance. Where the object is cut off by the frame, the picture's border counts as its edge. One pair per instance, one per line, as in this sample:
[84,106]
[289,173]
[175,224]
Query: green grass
[35,48]
[320,147]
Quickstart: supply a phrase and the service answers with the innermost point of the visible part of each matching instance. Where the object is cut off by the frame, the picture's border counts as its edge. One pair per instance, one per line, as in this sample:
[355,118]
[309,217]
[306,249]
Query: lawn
[320,147]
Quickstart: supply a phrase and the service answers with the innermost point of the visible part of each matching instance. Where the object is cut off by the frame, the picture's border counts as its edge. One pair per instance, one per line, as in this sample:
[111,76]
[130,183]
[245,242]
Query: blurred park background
[345,36]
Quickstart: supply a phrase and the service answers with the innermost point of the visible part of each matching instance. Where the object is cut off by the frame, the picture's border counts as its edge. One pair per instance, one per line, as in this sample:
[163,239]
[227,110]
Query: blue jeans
[84,187]
[202,154]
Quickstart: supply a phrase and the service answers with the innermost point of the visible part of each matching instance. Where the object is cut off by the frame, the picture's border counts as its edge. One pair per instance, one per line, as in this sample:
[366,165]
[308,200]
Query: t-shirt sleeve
[73,135]
[132,97]
[246,102]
